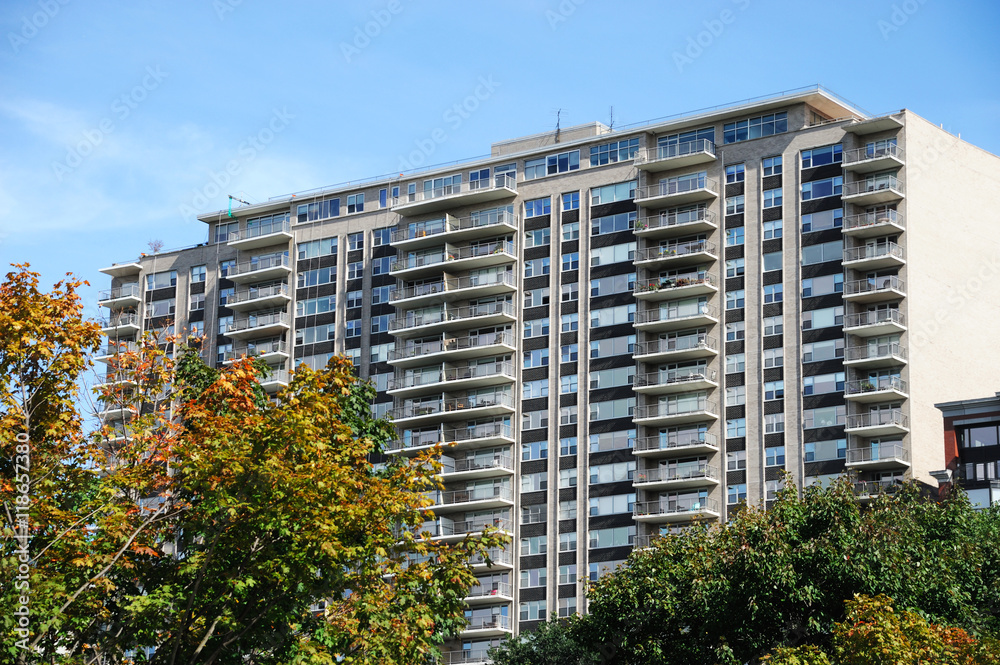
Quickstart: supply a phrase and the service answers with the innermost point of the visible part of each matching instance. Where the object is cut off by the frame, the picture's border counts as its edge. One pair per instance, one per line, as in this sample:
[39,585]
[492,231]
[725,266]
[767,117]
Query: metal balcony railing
[452,374]
[675,150]
[281,225]
[871,152]
[495,622]
[448,313]
[130,319]
[680,439]
[872,318]
[668,409]
[452,404]
[505,278]
[673,376]
[123,291]
[875,385]
[496,555]
[449,254]
[259,321]
[119,349]
[252,350]
[451,225]
[415,350]
[877,453]
[680,506]
[671,187]
[675,219]
[873,285]
[675,250]
[872,185]
[678,472]
[871,351]
[276,376]
[676,282]
[867,219]
[484,431]
[874,487]
[499,181]
[876,418]
[260,264]
[873,252]
[672,344]
[494,589]
[658,314]
[456,497]
[255,293]
[503,462]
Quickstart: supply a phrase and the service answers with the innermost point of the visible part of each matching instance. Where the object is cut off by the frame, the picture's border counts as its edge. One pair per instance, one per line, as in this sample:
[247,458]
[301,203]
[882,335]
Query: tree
[216,525]
[732,593]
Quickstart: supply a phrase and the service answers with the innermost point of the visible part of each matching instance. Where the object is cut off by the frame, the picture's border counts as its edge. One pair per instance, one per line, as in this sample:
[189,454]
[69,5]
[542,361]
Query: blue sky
[115,116]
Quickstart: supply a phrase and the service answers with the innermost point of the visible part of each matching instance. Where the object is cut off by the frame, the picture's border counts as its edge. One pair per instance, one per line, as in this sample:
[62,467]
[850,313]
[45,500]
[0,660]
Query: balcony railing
[876,487]
[879,251]
[672,187]
[452,374]
[444,527]
[499,247]
[872,351]
[671,219]
[123,291]
[466,657]
[675,150]
[494,589]
[868,219]
[871,152]
[505,278]
[676,282]
[677,507]
[668,409]
[877,453]
[873,285]
[496,555]
[876,418]
[254,350]
[484,431]
[872,385]
[452,225]
[499,181]
[256,293]
[495,622]
[416,350]
[113,349]
[676,440]
[859,319]
[678,472]
[469,464]
[675,250]
[673,376]
[657,314]
[452,404]
[261,321]
[282,225]
[675,344]
[451,314]
[868,185]
[276,377]
[119,321]
[455,497]
[262,263]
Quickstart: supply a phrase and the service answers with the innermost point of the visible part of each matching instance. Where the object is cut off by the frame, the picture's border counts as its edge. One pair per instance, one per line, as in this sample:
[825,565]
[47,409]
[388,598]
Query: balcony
[494,626]
[874,356]
[455,259]
[676,156]
[261,270]
[878,456]
[875,323]
[113,350]
[883,123]
[672,381]
[490,593]
[475,468]
[878,423]
[489,498]
[269,352]
[124,269]
[673,288]
[123,325]
[498,558]
[492,314]
[444,528]
[453,408]
[498,433]
[675,413]
[677,192]
[874,257]
[874,289]
[871,489]
[676,477]
[116,411]
[460,348]
[263,325]
[869,224]
[455,288]
[881,389]
[873,159]
[665,511]
[274,232]
[265,297]
[275,381]
[663,319]
[466,657]
[688,347]
[451,229]
[873,192]
[456,378]
[126,295]
[500,186]
[671,224]
[676,255]
[676,444]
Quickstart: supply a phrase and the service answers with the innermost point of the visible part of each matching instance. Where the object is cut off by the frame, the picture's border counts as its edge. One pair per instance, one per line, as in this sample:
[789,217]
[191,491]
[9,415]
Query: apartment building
[972,447]
[616,334]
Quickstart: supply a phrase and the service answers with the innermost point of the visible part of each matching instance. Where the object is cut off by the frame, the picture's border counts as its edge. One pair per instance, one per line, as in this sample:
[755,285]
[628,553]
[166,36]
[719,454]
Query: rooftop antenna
[611,120]
[233,198]
[558,119]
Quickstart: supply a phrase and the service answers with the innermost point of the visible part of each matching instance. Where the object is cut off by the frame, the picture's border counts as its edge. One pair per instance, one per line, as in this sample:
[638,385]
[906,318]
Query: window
[381,266]
[380,294]
[819,221]
[479,179]
[198,274]
[735,204]
[830,154]
[534,168]
[536,358]
[571,201]
[613,346]
[601,256]
[979,436]
[562,162]
[612,378]
[355,203]
[735,299]
[227,231]
[537,207]
[225,267]
[621,440]
[383,198]
[161,280]
[821,286]
[736,395]
[828,251]
[223,352]
[622,536]
[772,166]
[310,212]
[773,293]
[736,427]
[536,267]
[534,482]
[570,292]
[354,328]
[771,489]
[324,333]
[567,446]
[616,151]
[315,305]
[355,270]
[570,231]
[536,328]
[772,198]
[534,419]
[774,358]
[772,229]
[818,189]
[537,238]
[164,307]
[774,423]
[734,236]
[536,297]
[567,509]
[819,451]
[820,351]
[567,478]
[532,610]
[380,324]
[568,383]
[355,241]
[624,221]
[568,415]
[317,277]
[753,128]
[567,541]
[736,362]
[197,302]
[736,493]
[534,545]
[535,450]
[772,261]
[822,318]
[610,316]
[735,173]
[225,294]
[536,388]
[616,408]
[569,322]
[379,353]
[567,574]
[735,331]
[773,325]
[622,191]
[597,570]
[827,416]
[736,460]
[382,236]
[533,577]
[571,261]
[735,267]
[774,390]
[314,248]
[823,383]
[614,504]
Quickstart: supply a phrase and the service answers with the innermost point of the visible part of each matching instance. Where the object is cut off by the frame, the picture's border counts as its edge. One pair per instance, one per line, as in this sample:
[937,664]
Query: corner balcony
[489,498]
[875,323]
[124,269]
[875,356]
[494,626]
[456,438]
[126,295]
[673,288]
[874,257]
[676,477]
[270,268]
[113,350]
[872,192]
[454,378]
[453,408]
[668,382]
[688,347]
[446,529]
[672,224]
[263,325]
[675,156]
[500,186]
[275,232]
[491,593]
[275,381]
[878,423]
[676,255]
[674,192]
[881,389]
[667,512]
[878,456]
[875,289]
[664,319]
[460,348]
[873,159]
[123,325]
[451,229]
[498,558]
[872,224]
[269,352]
[265,297]
[454,288]
[451,318]
[675,413]
[474,468]
[868,490]
[677,444]
[455,259]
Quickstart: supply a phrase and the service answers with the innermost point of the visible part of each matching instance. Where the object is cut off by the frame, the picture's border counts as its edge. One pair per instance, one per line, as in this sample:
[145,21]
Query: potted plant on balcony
[641,225]
[867,386]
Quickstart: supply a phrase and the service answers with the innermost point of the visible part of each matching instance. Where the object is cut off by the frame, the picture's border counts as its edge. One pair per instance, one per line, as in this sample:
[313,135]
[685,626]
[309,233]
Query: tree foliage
[215,525]
[732,593]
